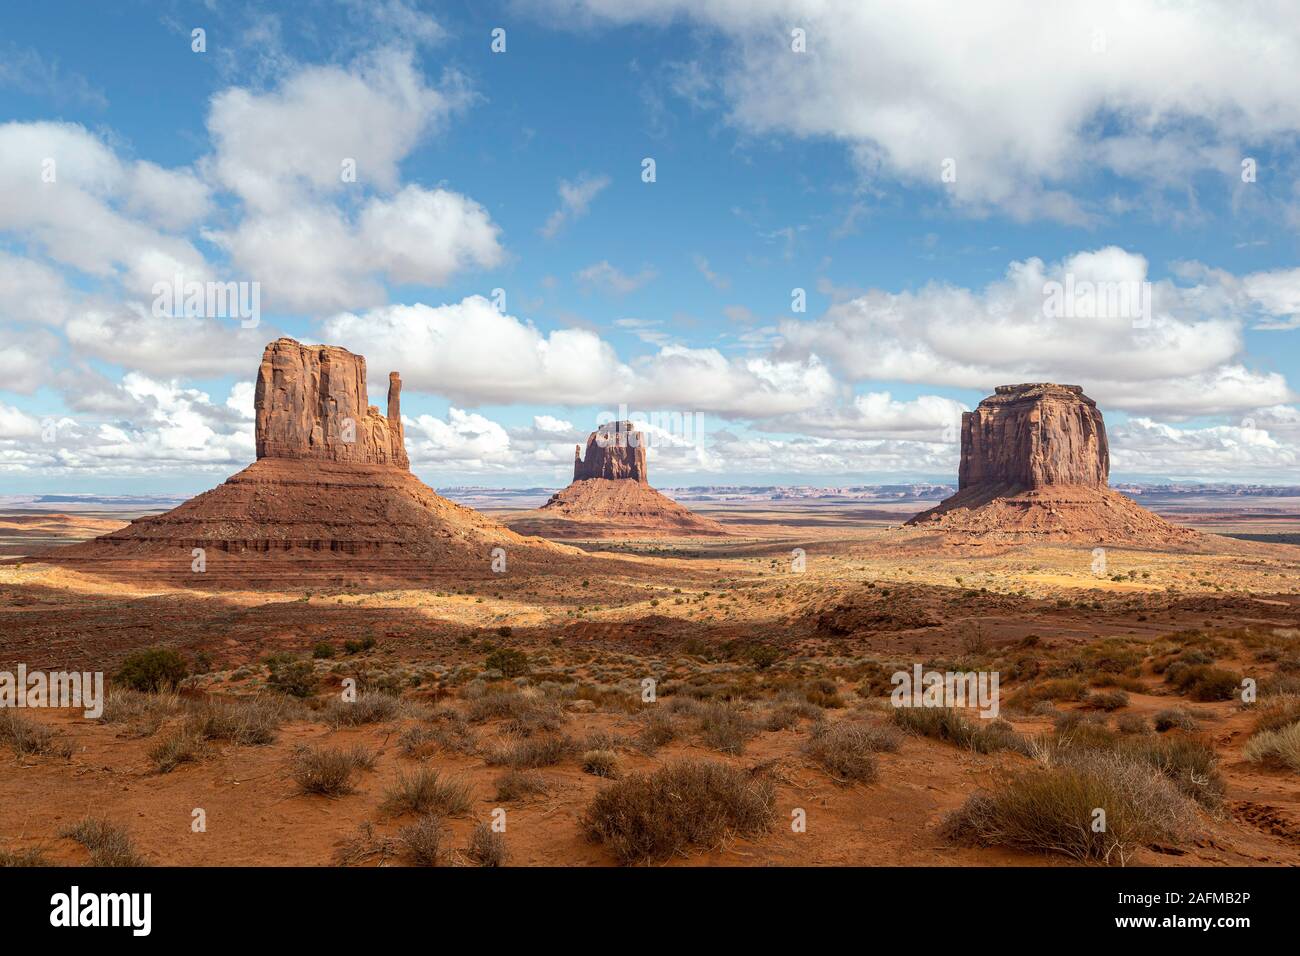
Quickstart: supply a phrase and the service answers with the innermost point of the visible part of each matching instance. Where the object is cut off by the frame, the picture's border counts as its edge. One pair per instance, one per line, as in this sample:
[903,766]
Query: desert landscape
[360,672]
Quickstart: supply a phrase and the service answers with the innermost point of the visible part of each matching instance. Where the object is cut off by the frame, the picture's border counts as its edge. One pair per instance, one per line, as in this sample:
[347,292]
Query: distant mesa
[330,494]
[610,495]
[1035,463]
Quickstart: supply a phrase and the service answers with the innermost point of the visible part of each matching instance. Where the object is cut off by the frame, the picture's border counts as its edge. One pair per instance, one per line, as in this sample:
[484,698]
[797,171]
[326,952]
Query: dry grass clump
[683,804]
[1202,682]
[533,752]
[1107,700]
[246,721]
[328,770]
[27,737]
[422,842]
[527,712]
[517,784]
[945,723]
[1054,811]
[848,749]
[660,728]
[180,746]
[1276,714]
[109,844]
[450,733]
[724,726]
[142,712]
[1188,761]
[31,856]
[1174,718]
[1279,748]
[370,707]
[425,792]
[601,763]
[787,711]
[486,846]
[1132,724]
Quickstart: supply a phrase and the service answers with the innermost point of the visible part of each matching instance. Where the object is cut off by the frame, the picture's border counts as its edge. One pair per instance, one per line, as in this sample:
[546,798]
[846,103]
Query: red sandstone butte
[311,403]
[1035,463]
[610,495]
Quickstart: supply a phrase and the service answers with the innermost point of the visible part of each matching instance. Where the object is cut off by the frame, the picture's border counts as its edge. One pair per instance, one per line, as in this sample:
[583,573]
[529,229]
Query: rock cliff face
[311,402]
[1034,436]
[1035,464]
[614,450]
[330,499]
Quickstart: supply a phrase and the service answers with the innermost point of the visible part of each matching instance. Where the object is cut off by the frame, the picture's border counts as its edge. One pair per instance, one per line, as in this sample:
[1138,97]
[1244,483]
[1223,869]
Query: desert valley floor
[524,691]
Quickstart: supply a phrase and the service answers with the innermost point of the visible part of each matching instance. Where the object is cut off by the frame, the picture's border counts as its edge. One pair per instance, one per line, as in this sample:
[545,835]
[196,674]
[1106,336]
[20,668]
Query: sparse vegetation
[422,841]
[945,723]
[109,843]
[847,749]
[328,771]
[486,846]
[1053,810]
[601,763]
[683,804]
[154,669]
[1280,748]
[425,791]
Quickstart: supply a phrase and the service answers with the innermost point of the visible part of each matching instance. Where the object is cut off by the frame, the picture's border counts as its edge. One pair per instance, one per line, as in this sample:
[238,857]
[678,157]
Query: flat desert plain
[558,717]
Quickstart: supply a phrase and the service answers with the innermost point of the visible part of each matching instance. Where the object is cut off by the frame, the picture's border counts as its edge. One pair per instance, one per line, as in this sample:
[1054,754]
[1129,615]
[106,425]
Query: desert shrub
[368,708]
[1188,761]
[247,721]
[356,646]
[292,677]
[533,752]
[600,763]
[1052,811]
[1202,682]
[323,651]
[142,713]
[180,746]
[28,857]
[1132,724]
[823,692]
[26,737]
[945,723]
[1106,700]
[421,841]
[724,727]
[153,669]
[1276,714]
[486,846]
[510,662]
[109,844]
[1275,747]
[528,711]
[328,770]
[517,784]
[659,729]
[1173,718]
[683,804]
[1061,688]
[848,749]
[425,791]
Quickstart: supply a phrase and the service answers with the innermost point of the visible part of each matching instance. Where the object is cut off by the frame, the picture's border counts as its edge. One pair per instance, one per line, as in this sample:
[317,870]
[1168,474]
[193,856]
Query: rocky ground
[770,651]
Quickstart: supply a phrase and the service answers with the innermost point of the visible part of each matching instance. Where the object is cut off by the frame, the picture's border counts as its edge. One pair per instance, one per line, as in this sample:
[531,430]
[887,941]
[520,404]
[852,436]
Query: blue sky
[1085,143]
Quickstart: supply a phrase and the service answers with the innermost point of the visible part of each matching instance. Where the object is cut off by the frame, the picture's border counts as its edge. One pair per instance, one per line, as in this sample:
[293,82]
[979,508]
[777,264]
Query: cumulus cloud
[473,354]
[171,427]
[1185,359]
[1028,100]
[1144,447]
[296,155]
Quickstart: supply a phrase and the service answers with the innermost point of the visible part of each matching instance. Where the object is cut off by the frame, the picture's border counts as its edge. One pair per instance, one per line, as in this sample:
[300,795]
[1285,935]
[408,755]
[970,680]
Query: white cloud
[876,415]
[1016,93]
[283,153]
[1188,361]
[575,199]
[1141,446]
[602,275]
